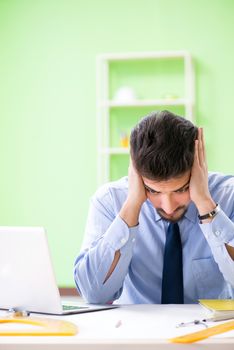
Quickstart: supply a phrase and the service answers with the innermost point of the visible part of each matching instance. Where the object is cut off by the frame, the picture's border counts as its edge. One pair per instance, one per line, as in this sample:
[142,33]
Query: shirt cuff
[220,230]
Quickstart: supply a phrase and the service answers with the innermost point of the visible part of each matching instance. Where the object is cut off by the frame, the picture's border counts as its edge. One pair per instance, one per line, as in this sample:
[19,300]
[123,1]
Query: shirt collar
[192,213]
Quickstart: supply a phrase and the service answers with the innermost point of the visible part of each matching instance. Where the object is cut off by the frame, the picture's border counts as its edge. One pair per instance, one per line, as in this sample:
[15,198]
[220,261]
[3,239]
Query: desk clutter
[42,326]
[144,323]
[204,334]
[219,309]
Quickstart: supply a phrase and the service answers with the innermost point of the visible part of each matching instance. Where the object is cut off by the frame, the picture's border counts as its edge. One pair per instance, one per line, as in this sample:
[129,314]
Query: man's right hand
[136,197]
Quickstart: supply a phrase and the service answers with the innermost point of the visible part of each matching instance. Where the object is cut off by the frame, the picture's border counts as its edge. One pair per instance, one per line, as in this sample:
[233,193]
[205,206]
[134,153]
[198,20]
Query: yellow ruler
[45,326]
[205,333]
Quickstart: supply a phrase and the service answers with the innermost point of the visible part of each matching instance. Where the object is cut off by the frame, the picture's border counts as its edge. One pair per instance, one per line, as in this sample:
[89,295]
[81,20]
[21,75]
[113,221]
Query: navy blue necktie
[172,279]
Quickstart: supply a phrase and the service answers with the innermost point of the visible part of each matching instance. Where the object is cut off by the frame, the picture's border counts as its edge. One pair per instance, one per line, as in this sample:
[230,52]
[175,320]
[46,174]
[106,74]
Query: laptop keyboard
[73,307]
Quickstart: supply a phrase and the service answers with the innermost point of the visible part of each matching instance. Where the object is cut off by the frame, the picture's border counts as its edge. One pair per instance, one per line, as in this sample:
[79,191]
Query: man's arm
[131,208]
[199,190]
[101,267]
[218,230]
[105,235]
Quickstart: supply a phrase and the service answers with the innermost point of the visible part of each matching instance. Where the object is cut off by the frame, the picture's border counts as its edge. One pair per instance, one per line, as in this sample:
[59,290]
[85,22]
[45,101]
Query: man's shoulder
[116,188]
[222,191]
[220,180]
[222,188]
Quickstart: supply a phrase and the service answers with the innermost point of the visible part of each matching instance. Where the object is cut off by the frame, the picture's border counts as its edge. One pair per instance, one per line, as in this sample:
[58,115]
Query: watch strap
[209,215]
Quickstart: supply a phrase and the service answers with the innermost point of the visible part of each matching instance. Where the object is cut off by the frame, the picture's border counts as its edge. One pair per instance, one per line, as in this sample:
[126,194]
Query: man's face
[170,198]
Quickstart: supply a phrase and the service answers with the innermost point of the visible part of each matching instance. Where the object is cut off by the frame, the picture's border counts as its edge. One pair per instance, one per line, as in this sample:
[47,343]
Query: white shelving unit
[105,104]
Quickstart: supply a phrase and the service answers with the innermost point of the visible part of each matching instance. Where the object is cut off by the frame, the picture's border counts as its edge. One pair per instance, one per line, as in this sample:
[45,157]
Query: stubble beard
[174,218]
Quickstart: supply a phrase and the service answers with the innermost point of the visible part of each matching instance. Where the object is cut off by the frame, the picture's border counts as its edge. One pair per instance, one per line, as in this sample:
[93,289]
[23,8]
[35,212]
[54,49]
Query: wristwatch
[209,215]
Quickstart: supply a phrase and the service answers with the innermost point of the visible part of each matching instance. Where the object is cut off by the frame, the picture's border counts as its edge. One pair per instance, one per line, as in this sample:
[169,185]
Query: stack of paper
[219,309]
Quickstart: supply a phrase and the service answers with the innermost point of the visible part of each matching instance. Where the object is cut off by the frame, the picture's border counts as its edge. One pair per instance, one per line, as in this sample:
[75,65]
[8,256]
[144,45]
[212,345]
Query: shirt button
[133,240]
[123,240]
[217,233]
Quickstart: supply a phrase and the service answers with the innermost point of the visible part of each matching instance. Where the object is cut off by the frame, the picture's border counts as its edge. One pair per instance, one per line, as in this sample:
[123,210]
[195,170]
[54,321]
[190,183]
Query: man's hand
[136,197]
[136,188]
[199,190]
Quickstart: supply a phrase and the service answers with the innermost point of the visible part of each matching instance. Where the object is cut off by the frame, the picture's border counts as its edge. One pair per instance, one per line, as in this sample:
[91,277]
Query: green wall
[47,98]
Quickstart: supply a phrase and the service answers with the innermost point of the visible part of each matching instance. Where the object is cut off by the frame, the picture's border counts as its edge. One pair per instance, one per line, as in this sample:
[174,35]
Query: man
[165,234]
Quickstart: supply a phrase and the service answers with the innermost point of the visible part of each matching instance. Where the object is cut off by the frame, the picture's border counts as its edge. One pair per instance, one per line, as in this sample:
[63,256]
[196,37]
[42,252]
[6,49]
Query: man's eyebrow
[149,188]
[182,187]
[178,189]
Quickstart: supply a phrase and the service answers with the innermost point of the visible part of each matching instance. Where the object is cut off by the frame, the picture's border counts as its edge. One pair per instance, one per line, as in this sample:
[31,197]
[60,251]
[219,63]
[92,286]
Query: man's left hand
[199,190]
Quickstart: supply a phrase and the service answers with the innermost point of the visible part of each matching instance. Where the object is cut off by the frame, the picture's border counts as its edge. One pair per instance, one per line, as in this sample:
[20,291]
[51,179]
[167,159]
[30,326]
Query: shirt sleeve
[105,234]
[218,232]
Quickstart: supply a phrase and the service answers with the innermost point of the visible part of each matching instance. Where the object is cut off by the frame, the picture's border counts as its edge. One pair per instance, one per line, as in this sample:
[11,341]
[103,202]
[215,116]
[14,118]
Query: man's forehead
[172,184]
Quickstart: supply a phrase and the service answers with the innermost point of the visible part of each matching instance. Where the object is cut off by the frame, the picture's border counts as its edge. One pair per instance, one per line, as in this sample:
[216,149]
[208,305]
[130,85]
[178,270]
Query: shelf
[144,55]
[159,80]
[145,103]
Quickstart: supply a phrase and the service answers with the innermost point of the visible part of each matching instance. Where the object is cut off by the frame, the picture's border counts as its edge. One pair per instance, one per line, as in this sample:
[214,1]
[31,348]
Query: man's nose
[168,204]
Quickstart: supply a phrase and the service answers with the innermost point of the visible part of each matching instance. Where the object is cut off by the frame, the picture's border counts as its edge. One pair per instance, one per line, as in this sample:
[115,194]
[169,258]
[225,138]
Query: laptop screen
[27,278]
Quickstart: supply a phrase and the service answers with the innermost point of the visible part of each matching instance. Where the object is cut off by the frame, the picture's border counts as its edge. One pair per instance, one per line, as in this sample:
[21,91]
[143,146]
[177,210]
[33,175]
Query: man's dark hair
[162,145]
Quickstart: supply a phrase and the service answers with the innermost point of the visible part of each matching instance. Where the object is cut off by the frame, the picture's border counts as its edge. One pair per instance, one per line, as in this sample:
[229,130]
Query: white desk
[143,327]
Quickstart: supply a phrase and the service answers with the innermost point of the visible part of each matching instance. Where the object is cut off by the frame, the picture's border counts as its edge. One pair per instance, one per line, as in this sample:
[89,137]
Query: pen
[192,323]
[203,322]
[218,318]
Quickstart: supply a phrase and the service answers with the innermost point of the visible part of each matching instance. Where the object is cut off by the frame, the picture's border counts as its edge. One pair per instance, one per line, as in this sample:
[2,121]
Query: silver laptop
[27,279]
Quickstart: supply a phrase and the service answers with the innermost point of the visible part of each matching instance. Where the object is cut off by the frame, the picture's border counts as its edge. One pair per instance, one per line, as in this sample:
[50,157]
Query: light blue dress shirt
[208,270]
